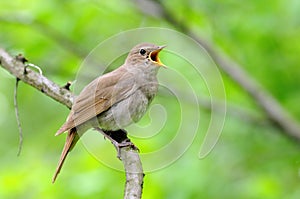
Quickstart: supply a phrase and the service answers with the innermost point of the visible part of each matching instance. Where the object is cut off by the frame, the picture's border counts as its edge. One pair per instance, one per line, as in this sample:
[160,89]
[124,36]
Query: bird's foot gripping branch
[119,139]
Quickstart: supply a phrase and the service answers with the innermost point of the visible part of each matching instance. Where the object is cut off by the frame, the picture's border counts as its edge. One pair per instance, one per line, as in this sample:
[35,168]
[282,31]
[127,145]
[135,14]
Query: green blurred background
[252,159]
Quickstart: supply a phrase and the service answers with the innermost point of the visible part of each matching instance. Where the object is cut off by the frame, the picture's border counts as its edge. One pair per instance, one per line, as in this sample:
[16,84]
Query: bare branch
[129,156]
[36,80]
[134,173]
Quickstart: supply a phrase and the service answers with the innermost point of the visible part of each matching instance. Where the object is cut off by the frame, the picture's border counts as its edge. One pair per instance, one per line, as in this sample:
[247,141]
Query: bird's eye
[142,51]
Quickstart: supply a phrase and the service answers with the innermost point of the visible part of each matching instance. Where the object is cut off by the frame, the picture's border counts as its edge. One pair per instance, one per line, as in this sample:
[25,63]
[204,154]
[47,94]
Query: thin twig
[18,117]
[35,67]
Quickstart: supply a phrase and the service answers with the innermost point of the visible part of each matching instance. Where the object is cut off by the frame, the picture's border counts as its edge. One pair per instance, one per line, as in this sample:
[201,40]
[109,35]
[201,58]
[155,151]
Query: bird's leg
[118,138]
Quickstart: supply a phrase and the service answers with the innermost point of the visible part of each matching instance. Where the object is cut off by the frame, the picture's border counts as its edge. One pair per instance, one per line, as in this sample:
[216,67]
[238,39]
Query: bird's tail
[71,140]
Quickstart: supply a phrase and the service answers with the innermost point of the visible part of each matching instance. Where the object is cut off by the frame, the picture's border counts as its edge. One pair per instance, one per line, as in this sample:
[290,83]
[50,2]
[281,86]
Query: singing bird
[115,99]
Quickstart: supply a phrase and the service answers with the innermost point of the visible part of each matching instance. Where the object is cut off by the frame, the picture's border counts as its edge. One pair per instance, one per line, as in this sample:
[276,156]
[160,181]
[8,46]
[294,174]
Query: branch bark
[134,174]
[129,157]
[36,80]
[272,108]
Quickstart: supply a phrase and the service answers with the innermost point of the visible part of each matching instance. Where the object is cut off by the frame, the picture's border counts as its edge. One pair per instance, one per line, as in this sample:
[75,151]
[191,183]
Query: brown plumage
[114,100]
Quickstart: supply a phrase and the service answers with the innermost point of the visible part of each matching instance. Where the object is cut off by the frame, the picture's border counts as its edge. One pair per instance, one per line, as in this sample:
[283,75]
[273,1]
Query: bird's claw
[123,142]
[126,143]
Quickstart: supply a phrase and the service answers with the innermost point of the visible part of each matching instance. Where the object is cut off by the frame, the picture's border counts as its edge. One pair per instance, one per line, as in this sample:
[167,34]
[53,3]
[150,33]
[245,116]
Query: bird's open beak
[154,56]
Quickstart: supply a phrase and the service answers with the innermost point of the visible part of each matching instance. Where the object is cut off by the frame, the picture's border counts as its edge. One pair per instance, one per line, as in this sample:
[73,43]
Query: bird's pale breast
[129,110]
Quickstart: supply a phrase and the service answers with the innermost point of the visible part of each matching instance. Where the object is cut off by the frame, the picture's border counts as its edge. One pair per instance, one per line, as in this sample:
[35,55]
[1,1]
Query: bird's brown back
[98,96]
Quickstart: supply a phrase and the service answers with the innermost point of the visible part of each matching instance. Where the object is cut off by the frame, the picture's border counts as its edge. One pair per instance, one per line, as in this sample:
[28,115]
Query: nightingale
[115,99]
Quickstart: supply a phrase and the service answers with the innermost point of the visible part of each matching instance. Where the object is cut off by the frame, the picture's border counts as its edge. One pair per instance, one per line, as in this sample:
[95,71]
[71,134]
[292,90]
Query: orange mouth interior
[154,57]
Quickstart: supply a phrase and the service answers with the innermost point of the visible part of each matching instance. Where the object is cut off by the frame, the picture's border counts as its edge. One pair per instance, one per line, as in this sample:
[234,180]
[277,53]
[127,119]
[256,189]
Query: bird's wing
[98,96]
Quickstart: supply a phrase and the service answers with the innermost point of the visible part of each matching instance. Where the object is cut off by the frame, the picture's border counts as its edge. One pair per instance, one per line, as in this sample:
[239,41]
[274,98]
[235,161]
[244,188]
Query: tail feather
[62,129]
[70,142]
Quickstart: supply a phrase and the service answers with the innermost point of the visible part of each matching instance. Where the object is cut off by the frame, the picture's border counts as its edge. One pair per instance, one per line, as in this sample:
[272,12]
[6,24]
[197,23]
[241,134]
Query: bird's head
[145,54]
